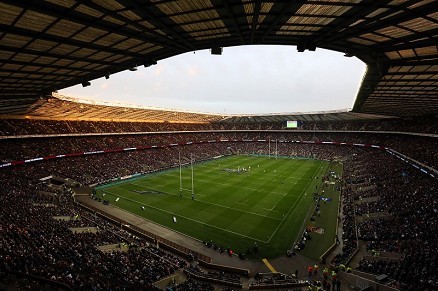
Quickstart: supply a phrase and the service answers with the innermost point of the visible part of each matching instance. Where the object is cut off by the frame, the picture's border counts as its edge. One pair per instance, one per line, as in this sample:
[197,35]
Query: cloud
[245,79]
[159,69]
[104,86]
[158,87]
[193,71]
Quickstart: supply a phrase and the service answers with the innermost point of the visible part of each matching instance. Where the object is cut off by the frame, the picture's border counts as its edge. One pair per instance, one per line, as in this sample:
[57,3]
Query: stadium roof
[53,44]
[62,107]
[322,116]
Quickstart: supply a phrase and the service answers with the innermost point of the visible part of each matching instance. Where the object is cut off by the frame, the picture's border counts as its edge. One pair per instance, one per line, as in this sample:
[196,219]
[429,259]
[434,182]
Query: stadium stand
[15,127]
[395,185]
[387,143]
[35,243]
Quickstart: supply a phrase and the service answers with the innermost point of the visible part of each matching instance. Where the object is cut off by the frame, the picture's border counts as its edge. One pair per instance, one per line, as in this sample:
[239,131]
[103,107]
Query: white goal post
[181,189]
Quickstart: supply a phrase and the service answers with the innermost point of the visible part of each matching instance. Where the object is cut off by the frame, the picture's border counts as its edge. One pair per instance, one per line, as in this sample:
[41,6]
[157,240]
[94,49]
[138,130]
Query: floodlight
[149,63]
[301,46]
[86,84]
[216,51]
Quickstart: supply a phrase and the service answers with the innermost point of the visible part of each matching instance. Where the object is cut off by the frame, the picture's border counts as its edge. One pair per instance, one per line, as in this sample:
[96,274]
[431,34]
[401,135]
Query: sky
[243,80]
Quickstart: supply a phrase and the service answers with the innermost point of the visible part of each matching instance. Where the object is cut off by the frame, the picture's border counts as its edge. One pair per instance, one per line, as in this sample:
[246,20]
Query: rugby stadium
[108,196]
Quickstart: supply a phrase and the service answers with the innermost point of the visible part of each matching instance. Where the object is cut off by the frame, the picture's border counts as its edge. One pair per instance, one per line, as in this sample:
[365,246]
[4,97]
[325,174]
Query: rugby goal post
[181,188]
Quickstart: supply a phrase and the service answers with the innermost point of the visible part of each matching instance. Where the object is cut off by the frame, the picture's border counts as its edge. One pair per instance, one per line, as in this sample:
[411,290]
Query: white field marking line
[145,185]
[295,177]
[308,211]
[188,218]
[287,214]
[273,175]
[243,203]
[227,184]
[272,209]
[149,188]
[223,206]
[278,193]
[248,188]
[283,194]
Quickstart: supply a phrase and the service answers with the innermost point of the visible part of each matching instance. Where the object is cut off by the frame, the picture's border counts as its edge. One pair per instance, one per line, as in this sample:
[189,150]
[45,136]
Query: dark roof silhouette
[49,45]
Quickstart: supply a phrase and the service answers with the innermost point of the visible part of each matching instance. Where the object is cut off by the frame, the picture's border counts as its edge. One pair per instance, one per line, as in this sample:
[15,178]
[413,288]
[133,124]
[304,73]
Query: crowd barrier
[364,280]
[261,285]
[239,271]
[156,239]
[206,278]
[39,280]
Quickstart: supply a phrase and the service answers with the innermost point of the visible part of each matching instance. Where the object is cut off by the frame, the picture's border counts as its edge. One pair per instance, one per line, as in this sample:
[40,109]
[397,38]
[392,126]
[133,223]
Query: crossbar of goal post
[276,148]
[180,177]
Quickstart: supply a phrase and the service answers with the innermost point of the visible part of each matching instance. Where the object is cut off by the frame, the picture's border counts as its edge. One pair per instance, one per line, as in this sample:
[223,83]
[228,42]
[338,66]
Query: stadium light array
[149,63]
[303,45]
[86,84]
[216,50]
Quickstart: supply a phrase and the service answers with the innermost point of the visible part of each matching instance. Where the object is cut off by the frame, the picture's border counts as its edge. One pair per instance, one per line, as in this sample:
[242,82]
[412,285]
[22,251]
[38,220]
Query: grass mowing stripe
[219,205]
[296,201]
[188,218]
[233,210]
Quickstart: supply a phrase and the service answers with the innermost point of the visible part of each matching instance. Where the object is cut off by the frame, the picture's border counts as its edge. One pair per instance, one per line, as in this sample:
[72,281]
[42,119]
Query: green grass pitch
[268,204]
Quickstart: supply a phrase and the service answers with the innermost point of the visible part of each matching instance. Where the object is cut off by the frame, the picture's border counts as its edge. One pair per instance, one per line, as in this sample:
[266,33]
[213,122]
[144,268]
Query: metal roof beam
[84,19]
[413,73]
[145,14]
[410,60]
[408,42]
[355,13]
[56,56]
[13,80]
[416,62]
[289,6]
[409,80]
[234,20]
[69,41]
[33,64]
[255,19]
[374,24]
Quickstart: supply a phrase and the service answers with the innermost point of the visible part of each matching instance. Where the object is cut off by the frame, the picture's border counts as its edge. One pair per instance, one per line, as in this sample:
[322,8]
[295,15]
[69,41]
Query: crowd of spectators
[35,126]
[92,169]
[349,235]
[407,223]
[418,148]
[20,281]
[191,285]
[370,207]
[46,247]
[423,125]
[35,243]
